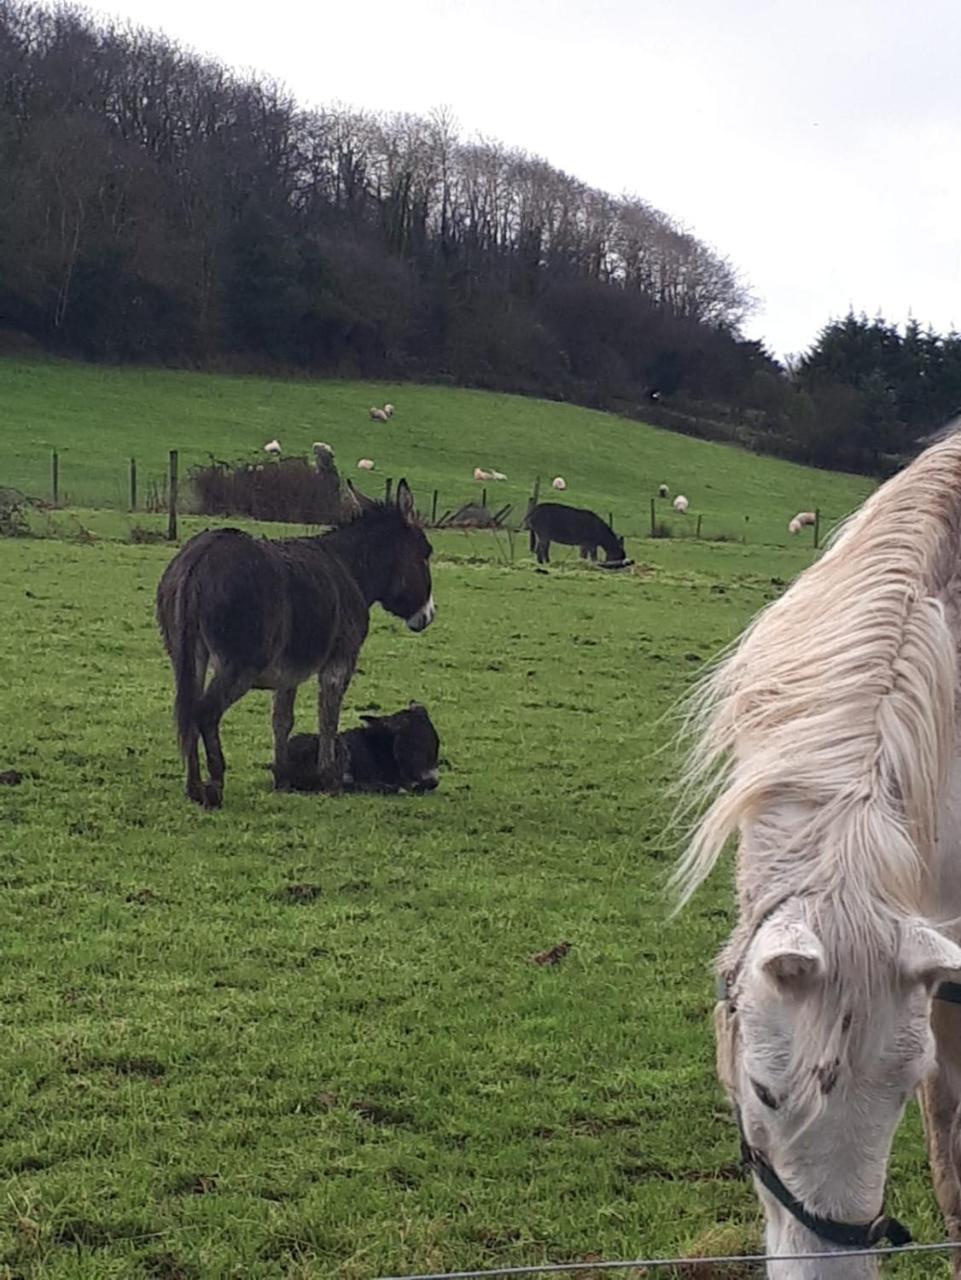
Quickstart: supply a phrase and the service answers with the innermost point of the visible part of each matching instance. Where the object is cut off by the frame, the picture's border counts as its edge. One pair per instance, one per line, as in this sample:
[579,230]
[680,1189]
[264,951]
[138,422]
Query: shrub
[290,490]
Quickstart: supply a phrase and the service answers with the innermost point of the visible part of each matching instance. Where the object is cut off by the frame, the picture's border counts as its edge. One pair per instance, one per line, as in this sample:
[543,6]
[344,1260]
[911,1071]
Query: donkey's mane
[830,724]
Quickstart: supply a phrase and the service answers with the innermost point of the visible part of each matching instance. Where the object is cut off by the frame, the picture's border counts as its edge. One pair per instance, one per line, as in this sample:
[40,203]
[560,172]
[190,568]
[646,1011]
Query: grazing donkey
[269,614]
[391,753]
[574,526]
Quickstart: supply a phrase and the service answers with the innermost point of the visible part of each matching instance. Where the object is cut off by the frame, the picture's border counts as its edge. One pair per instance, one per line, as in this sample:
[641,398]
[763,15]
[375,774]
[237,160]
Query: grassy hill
[98,418]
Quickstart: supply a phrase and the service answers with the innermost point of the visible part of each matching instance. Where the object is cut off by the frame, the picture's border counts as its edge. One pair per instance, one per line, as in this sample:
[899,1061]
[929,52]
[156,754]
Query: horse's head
[819,1064]
[405,583]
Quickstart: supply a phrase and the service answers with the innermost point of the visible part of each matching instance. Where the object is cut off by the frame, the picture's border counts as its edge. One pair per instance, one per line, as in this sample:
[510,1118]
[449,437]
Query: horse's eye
[764,1094]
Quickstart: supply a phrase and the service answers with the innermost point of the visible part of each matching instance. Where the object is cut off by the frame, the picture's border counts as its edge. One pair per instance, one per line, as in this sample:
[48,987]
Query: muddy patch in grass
[297,894]
[194,1184]
[165,1266]
[83,1233]
[147,1067]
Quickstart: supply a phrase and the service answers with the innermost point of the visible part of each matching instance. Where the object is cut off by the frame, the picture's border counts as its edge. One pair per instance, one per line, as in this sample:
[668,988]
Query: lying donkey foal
[391,753]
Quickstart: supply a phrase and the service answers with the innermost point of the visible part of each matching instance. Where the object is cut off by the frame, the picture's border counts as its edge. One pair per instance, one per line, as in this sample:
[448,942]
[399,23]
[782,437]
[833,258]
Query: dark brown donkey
[269,614]
[575,526]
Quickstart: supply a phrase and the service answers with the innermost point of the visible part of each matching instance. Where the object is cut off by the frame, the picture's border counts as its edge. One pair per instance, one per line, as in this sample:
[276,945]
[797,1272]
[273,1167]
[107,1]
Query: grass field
[303,1037]
[98,418]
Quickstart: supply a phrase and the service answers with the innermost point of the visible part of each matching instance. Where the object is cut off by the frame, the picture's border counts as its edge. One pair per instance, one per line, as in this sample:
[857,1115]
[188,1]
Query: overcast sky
[817,145]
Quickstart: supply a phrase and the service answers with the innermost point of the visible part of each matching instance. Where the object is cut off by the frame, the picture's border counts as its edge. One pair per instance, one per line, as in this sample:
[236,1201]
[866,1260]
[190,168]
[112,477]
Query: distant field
[98,418]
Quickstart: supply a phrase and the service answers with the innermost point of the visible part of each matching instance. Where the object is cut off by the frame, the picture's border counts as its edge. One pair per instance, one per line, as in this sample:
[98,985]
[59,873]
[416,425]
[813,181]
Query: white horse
[829,742]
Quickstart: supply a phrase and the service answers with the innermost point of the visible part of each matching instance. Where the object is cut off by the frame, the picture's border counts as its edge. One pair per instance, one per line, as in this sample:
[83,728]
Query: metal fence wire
[688,1264]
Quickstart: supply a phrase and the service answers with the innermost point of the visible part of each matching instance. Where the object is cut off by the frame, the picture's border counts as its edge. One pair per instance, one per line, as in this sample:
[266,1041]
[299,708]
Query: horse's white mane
[837,705]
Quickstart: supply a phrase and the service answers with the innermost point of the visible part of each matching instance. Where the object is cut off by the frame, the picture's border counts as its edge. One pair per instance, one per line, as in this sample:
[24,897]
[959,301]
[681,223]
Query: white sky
[817,145]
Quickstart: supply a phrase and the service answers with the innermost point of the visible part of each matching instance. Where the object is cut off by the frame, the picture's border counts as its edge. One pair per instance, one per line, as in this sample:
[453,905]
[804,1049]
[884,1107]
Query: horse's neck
[945,901]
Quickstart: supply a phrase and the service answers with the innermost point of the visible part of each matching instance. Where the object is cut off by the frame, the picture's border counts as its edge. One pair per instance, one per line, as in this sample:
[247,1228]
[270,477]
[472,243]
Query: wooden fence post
[817,527]
[133,484]
[483,498]
[388,486]
[653,521]
[610,518]
[433,508]
[55,477]
[699,519]
[172,498]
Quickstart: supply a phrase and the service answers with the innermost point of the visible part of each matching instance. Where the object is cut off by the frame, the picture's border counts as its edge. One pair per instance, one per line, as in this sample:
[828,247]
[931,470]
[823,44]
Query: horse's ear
[789,954]
[929,957]
[405,500]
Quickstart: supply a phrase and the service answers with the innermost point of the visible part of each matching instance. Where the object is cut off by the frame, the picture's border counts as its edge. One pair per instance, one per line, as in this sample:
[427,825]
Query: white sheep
[663,491]
[365,464]
[498,475]
[794,526]
[558,483]
[681,504]
[378,415]
[389,410]
[481,474]
[272,447]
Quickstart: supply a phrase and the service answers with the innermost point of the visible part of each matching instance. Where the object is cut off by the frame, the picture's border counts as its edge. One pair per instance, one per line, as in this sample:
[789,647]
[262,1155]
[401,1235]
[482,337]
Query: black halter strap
[847,1235]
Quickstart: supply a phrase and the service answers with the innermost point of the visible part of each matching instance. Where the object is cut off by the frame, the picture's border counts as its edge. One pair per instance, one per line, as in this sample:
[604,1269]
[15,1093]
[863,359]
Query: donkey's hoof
[213,795]
[195,792]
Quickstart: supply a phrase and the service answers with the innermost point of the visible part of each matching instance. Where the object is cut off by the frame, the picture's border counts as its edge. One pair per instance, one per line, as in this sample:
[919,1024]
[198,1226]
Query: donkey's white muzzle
[424,616]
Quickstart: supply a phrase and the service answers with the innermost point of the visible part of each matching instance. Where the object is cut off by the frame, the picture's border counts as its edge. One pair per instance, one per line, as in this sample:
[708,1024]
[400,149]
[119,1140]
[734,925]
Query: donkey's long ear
[405,500]
[362,501]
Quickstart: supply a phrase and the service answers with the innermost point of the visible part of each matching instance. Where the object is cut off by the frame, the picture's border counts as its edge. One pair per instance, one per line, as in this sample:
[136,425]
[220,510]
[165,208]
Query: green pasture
[305,1037]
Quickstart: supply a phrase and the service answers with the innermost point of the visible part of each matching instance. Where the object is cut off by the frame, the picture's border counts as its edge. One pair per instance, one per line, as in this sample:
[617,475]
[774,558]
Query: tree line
[158,207]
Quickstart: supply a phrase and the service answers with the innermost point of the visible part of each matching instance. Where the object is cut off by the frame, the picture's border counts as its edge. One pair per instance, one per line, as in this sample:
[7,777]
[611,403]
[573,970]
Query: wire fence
[685,1264]
[170,492]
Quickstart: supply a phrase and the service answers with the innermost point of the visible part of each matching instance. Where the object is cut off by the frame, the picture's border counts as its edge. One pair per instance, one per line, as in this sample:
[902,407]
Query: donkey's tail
[187,693]
[177,616]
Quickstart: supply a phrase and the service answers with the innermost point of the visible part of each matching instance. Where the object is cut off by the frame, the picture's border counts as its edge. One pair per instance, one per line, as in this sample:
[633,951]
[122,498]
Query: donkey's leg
[543,550]
[195,786]
[283,722]
[940,1102]
[332,685]
[227,687]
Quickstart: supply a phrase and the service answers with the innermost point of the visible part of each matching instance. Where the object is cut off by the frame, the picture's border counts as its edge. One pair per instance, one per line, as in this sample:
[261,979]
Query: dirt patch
[81,1232]
[553,955]
[165,1266]
[194,1184]
[382,1113]
[149,1068]
[11,778]
[298,894]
